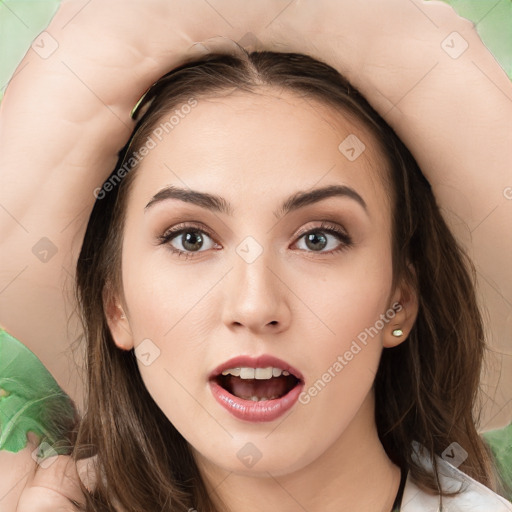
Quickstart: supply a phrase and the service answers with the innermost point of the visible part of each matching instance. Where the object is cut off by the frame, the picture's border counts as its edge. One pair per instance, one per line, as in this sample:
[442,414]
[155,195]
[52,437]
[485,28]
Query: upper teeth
[255,373]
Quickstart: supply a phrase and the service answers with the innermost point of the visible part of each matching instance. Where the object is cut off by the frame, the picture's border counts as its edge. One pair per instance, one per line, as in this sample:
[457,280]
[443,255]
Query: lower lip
[267,410]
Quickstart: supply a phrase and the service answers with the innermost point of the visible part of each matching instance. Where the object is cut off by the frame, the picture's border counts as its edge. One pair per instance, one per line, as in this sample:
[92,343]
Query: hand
[54,488]
[27,486]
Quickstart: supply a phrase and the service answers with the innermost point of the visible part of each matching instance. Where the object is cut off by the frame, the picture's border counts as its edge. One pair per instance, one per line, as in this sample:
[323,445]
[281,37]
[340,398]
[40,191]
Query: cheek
[176,306]
[176,312]
[350,298]
[353,305]
[162,292]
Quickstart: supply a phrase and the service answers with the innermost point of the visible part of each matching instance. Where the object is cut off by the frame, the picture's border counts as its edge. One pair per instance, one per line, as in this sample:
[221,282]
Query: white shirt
[474,496]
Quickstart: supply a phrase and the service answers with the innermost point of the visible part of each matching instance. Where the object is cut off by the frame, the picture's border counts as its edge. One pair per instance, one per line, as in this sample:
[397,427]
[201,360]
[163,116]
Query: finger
[59,475]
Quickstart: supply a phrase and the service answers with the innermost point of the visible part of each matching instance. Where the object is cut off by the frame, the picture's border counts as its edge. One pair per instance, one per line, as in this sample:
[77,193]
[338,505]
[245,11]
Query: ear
[404,302]
[117,319]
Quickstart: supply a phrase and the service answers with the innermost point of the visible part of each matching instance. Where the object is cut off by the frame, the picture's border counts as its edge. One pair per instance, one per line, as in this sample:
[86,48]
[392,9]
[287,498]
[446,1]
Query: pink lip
[268,410]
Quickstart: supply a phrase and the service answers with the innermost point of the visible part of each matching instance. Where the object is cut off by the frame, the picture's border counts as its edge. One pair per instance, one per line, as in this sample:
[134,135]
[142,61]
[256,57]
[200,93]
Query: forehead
[245,144]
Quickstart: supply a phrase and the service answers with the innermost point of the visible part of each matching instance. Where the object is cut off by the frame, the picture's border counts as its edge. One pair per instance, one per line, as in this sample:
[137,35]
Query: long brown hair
[425,388]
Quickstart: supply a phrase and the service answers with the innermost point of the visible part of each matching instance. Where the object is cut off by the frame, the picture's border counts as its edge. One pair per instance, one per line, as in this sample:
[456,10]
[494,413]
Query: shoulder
[473,496]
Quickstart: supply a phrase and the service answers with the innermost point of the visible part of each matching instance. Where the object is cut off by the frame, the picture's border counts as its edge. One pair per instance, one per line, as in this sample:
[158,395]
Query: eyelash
[325,227]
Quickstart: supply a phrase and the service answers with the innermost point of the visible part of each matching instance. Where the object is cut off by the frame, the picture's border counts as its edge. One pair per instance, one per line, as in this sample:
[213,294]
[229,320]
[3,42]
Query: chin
[258,458]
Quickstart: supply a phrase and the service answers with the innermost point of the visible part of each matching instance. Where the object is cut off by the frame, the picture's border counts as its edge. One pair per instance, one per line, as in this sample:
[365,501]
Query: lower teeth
[258,399]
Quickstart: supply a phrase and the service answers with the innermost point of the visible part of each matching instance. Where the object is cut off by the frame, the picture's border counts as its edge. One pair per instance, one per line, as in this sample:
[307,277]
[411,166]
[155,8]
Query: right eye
[186,240]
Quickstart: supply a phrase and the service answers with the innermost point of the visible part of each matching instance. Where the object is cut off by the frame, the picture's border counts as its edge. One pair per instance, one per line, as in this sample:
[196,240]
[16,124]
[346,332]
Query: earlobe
[398,329]
[117,321]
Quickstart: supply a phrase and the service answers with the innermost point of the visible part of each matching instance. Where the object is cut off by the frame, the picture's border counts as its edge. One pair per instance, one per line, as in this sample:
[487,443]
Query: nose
[256,297]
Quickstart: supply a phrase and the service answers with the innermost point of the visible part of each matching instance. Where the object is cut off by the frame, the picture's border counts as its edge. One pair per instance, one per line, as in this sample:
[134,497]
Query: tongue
[247,388]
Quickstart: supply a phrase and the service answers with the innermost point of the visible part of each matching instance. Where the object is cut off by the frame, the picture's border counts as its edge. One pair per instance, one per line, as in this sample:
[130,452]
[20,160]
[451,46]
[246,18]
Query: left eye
[326,240]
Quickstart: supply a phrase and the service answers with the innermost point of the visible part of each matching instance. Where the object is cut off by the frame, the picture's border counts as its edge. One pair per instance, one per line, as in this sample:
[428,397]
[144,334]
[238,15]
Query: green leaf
[500,442]
[31,400]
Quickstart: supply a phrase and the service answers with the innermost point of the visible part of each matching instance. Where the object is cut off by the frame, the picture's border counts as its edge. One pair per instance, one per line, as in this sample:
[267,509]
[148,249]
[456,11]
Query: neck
[355,473]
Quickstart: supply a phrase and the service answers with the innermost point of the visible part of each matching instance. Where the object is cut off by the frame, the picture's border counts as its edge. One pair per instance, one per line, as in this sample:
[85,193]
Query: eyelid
[325,225]
[191,225]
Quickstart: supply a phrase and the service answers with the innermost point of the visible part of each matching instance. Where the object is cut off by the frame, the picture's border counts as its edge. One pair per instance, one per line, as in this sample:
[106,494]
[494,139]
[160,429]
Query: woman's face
[263,277]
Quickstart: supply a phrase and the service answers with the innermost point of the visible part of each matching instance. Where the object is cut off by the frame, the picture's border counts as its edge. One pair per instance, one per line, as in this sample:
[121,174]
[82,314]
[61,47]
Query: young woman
[286,338]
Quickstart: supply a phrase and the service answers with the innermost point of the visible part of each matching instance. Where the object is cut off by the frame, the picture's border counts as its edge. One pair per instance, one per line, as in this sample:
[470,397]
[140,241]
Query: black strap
[398,500]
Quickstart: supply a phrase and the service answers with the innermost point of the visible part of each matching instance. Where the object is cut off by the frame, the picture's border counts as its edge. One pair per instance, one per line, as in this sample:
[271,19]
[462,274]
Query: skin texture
[243,145]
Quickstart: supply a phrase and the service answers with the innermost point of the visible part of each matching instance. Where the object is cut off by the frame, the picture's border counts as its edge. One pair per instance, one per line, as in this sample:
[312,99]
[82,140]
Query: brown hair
[425,388]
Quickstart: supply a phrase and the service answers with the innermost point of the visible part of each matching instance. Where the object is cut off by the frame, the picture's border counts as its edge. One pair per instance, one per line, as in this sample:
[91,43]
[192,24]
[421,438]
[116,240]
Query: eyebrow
[218,204]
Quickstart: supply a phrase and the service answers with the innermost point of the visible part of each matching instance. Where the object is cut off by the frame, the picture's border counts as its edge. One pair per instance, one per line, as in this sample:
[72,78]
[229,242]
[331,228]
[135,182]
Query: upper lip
[262,361]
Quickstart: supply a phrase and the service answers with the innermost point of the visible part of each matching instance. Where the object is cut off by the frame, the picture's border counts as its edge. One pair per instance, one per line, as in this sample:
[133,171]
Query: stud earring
[123,315]
[397,333]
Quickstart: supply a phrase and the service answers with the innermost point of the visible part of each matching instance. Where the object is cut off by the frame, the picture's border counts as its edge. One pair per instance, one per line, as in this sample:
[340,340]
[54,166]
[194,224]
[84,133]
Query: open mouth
[257,384]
